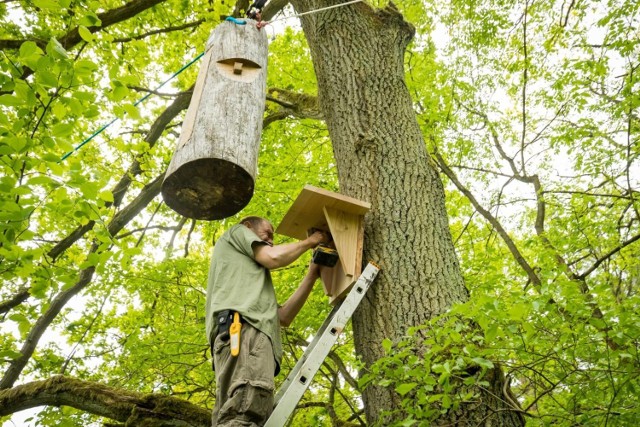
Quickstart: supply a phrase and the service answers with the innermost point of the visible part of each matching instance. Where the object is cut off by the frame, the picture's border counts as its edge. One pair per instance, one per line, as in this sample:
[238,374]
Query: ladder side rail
[312,345]
[291,392]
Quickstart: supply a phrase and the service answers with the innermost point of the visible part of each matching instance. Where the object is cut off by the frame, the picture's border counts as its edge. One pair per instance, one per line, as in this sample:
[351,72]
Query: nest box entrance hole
[238,69]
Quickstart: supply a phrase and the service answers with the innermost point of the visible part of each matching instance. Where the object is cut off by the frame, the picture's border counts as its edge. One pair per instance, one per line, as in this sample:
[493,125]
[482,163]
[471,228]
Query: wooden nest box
[213,169]
[343,217]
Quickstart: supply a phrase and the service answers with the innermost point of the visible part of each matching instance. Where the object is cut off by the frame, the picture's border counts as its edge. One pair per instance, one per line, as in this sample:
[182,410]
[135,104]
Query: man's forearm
[279,256]
[290,309]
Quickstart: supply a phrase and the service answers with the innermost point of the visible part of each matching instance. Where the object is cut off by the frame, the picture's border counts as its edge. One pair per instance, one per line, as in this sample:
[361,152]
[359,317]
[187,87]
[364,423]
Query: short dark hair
[255,221]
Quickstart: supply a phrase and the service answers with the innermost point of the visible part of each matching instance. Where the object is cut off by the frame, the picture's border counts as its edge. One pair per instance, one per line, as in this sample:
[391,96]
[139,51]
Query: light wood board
[343,217]
[307,211]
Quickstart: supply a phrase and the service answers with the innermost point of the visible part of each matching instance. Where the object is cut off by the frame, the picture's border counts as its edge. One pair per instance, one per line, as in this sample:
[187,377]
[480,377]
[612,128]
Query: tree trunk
[358,56]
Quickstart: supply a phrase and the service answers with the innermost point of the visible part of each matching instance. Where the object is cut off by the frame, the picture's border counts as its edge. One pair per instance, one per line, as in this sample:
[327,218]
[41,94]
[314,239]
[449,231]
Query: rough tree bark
[358,56]
[125,406]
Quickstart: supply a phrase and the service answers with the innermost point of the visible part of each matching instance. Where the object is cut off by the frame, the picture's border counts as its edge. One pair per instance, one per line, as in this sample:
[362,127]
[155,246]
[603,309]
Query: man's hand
[313,272]
[318,236]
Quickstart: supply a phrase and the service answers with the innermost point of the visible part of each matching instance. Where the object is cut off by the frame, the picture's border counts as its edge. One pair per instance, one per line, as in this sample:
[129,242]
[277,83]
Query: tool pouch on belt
[230,322]
[224,321]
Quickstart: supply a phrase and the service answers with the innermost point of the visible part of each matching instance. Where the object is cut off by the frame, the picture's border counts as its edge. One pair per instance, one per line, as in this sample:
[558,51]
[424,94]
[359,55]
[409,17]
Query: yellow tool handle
[234,335]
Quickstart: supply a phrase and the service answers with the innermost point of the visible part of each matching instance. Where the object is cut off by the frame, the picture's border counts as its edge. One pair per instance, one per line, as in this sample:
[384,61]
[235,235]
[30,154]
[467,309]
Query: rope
[103,127]
[238,22]
[309,12]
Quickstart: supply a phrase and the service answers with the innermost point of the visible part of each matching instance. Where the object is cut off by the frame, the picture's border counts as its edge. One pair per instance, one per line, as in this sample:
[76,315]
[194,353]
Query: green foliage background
[530,109]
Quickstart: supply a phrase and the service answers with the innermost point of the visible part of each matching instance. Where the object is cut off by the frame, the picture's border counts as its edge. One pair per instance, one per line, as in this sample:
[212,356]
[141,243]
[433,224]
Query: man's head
[260,226]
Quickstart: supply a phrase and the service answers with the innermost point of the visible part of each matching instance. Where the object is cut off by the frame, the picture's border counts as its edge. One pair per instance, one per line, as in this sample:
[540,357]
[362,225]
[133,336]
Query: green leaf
[28,49]
[132,111]
[56,50]
[482,362]
[62,130]
[492,332]
[446,401]
[85,34]
[18,317]
[24,327]
[59,110]
[90,20]
[41,180]
[89,190]
[119,92]
[11,100]
[403,389]
[47,78]
[47,4]
[10,354]
[107,196]
[85,67]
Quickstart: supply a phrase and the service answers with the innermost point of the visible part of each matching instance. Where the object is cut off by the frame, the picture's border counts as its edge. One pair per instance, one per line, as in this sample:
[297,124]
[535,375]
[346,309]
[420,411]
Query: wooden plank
[341,285]
[340,282]
[344,228]
[190,117]
[335,282]
[360,248]
[327,275]
[237,68]
[307,211]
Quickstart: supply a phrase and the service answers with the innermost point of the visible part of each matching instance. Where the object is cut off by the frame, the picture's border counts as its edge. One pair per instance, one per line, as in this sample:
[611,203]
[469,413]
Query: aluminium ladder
[300,377]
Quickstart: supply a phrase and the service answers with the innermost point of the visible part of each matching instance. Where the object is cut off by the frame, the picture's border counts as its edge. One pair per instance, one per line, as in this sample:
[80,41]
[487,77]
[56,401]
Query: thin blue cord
[236,21]
[96,133]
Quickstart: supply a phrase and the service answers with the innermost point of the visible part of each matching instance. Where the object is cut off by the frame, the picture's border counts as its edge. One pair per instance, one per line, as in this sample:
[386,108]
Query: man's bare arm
[278,256]
[289,310]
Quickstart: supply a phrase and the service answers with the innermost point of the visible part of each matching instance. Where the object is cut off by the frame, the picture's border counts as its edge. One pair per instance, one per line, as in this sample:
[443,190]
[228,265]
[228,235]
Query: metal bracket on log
[213,169]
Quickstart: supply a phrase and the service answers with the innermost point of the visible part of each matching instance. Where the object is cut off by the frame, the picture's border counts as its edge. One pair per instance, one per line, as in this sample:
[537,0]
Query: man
[240,282]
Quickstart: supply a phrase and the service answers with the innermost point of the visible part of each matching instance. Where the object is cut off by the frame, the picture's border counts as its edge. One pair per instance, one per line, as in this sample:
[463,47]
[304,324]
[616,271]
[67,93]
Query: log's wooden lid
[307,211]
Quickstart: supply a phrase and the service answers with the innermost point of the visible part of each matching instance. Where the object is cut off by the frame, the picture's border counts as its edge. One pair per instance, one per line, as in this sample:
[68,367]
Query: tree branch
[565,19]
[525,82]
[120,189]
[533,277]
[14,44]
[72,38]
[160,31]
[86,275]
[129,407]
[186,244]
[151,227]
[18,298]
[607,256]
[297,104]
[109,18]
[272,8]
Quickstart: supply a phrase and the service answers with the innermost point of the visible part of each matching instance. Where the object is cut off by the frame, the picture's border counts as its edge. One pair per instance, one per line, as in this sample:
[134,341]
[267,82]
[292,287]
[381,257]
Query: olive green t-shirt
[237,282]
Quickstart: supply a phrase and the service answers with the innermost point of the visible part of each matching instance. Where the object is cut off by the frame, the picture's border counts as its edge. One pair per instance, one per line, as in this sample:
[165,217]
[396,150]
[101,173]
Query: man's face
[264,231]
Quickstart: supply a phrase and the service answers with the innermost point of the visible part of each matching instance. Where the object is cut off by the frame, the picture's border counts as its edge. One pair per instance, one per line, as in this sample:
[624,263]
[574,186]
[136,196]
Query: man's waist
[225,319]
